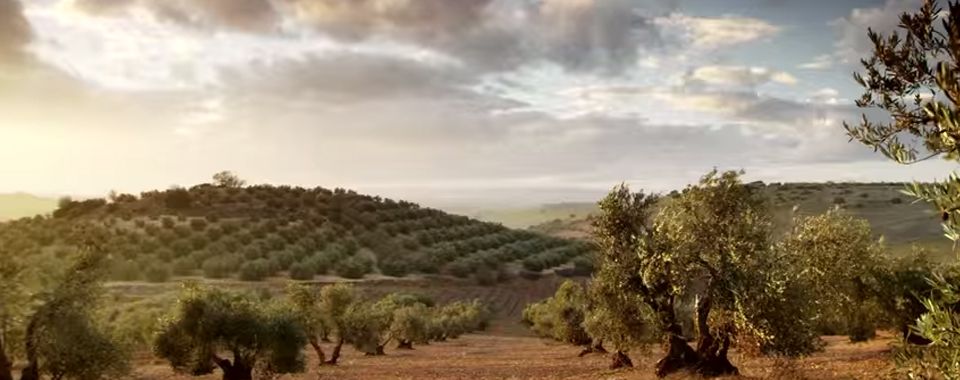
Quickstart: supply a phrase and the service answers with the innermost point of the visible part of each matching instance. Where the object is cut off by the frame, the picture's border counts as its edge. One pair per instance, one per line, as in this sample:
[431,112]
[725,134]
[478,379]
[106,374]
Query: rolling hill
[902,222]
[251,233]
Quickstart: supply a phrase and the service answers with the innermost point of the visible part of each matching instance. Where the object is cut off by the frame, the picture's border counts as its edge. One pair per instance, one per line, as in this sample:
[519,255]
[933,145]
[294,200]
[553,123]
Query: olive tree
[228,179]
[209,322]
[14,302]
[370,326]
[335,301]
[410,325]
[365,326]
[62,337]
[316,322]
[712,243]
[844,262]
[914,76]
[561,317]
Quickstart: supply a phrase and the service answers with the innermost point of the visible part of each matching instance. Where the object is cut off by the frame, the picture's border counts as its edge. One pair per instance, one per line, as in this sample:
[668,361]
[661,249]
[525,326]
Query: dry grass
[478,357]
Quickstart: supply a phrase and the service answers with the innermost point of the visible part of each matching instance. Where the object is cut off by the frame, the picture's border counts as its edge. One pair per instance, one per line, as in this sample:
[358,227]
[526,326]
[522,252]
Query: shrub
[214,233]
[220,267]
[181,248]
[320,262]
[125,270]
[302,271]
[255,270]
[165,254]
[157,272]
[178,198]
[198,224]
[394,267]
[184,266]
[354,267]
[198,242]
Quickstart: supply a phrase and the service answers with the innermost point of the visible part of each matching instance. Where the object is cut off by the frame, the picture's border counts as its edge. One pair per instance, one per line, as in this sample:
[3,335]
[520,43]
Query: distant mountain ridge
[892,214]
[20,205]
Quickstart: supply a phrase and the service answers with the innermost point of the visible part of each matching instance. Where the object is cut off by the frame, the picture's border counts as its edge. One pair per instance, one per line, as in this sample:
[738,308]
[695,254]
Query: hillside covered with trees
[228,230]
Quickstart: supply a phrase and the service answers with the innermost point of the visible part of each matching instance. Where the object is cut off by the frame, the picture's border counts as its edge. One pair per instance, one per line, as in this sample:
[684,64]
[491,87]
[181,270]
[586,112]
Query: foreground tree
[914,75]
[710,242]
[209,322]
[62,338]
[14,302]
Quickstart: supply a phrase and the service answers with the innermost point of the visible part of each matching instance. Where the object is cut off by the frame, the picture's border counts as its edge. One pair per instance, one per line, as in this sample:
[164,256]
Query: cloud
[15,32]
[820,62]
[852,42]
[240,15]
[605,35]
[583,33]
[716,33]
[416,19]
[738,76]
[349,78]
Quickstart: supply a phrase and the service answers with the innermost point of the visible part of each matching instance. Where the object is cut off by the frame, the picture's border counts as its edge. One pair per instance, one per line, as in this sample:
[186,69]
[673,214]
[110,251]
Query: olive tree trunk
[316,348]
[238,370]
[336,352]
[712,352]
[32,370]
[620,360]
[6,365]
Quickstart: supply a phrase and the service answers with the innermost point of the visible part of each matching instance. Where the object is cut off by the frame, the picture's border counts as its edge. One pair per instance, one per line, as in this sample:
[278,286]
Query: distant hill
[20,205]
[255,232]
[890,213]
[532,216]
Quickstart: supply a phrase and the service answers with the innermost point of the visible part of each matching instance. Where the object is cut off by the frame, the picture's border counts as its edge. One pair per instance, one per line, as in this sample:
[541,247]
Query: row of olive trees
[704,265]
[268,336]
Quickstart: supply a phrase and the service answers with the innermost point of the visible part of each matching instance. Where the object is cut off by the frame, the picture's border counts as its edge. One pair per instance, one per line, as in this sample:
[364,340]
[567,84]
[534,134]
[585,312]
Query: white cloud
[826,96]
[820,62]
[740,76]
[715,33]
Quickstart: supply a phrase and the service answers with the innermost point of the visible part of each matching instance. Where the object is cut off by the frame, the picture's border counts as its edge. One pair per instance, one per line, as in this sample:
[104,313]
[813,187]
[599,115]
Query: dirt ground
[476,357]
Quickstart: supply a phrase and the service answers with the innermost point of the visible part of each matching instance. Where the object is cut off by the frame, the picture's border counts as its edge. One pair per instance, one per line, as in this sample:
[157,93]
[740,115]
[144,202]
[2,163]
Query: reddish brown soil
[476,357]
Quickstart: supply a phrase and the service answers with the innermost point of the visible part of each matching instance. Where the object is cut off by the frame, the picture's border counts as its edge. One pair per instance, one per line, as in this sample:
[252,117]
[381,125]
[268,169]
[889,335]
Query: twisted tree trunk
[6,365]
[336,352]
[679,354]
[32,370]
[238,370]
[712,352]
[316,348]
[620,360]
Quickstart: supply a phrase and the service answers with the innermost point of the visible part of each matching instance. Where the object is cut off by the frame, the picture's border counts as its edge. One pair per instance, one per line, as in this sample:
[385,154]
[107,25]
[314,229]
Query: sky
[483,102]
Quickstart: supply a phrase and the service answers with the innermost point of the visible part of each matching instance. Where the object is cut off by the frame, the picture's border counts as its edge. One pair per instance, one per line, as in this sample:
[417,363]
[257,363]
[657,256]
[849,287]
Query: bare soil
[477,357]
